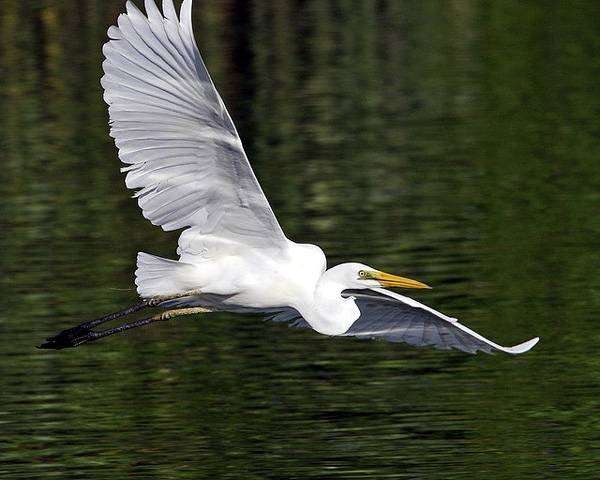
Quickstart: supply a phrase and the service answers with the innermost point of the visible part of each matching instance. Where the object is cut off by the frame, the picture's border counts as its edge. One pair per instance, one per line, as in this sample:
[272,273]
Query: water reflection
[450,141]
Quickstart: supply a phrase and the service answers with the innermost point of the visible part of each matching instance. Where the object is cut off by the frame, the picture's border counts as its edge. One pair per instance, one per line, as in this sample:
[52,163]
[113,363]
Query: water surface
[453,142]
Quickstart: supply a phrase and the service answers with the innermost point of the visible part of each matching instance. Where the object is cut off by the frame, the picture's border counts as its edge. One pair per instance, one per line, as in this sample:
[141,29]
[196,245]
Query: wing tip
[523,347]
[185,17]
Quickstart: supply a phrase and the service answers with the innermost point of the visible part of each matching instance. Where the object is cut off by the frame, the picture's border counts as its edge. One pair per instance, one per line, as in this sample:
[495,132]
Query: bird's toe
[71,337]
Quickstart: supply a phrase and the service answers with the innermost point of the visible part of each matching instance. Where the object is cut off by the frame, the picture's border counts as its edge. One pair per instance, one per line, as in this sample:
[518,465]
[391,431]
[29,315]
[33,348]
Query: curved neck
[329,312]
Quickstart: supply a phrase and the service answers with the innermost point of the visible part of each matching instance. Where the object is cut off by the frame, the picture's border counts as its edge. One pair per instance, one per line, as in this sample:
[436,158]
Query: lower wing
[393,317]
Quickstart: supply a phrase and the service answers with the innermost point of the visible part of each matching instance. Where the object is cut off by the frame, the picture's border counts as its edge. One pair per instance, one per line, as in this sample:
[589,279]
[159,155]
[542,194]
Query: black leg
[64,338]
[76,336]
[69,337]
[113,316]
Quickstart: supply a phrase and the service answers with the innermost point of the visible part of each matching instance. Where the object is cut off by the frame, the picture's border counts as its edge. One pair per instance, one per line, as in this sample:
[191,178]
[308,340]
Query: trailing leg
[69,337]
[85,336]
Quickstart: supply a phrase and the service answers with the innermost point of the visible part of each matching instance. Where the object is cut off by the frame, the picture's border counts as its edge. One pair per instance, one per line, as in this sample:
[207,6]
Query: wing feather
[389,316]
[393,317]
[182,151]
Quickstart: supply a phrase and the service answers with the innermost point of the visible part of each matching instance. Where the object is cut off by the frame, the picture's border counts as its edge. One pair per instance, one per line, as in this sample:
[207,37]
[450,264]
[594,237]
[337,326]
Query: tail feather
[157,276]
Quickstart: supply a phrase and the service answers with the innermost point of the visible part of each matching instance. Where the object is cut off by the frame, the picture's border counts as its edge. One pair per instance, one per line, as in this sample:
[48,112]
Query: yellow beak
[389,280]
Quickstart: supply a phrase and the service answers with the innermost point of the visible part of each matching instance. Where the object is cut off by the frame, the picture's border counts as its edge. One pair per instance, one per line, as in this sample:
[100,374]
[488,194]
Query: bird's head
[359,276]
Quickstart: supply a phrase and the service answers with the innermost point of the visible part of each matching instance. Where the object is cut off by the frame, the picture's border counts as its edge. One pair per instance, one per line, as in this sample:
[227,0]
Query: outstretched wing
[184,156]
[396,318]
[389,316]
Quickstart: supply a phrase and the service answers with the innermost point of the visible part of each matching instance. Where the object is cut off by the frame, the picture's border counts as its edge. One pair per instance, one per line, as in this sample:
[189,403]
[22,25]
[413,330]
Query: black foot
[72,337]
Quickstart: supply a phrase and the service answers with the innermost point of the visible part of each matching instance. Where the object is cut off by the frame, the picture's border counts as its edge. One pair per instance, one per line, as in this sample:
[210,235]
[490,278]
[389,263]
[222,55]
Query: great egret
[186,161]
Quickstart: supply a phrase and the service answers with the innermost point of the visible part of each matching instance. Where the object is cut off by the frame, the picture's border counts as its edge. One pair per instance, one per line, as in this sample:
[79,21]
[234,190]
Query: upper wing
[172,128]
[389,316]
[397,318]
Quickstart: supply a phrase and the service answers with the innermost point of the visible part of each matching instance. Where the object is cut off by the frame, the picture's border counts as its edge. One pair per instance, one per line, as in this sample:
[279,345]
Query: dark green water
[455,142]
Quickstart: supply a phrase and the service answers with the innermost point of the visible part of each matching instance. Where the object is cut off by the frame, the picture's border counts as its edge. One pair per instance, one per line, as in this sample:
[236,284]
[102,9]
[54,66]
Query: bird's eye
[362,274]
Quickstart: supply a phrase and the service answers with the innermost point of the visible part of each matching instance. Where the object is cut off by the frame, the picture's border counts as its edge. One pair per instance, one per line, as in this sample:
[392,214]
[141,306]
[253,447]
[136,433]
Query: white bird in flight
[186,162]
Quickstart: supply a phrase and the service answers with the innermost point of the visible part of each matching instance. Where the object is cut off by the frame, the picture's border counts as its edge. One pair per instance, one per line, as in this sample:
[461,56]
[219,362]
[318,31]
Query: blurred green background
[451,141]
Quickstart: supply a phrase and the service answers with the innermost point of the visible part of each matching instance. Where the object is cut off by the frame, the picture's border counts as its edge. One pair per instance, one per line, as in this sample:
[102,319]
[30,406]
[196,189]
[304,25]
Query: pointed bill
[389,280]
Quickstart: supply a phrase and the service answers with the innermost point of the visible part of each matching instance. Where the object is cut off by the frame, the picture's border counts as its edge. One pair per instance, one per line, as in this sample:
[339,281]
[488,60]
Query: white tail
[157,276]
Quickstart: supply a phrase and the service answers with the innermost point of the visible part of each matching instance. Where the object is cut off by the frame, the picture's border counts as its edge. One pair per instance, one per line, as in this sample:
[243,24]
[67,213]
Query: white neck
[330,313]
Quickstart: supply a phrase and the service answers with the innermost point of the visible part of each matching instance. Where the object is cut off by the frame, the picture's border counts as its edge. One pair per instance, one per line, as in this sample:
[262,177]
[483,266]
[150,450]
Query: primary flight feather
[185,160]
